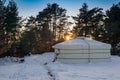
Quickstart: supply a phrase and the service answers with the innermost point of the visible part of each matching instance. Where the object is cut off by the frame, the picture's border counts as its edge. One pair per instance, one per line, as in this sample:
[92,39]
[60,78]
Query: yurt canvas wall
[82,49]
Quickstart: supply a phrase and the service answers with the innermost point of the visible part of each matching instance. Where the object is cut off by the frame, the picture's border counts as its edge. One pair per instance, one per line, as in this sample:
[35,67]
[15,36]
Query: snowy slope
[34,69]
[31,69]
[87,71]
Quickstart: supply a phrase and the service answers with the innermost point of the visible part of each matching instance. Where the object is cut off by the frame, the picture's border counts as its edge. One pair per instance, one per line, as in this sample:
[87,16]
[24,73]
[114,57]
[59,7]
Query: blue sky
[32,7]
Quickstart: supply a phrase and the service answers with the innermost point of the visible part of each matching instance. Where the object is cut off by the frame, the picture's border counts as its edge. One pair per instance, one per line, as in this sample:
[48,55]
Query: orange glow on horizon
[69,36]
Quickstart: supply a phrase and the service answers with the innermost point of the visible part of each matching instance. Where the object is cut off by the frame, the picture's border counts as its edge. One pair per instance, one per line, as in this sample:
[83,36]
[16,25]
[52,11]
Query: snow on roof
[82,43]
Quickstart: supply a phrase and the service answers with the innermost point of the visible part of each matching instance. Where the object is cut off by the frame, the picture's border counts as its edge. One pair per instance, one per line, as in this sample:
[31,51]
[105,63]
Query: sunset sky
[32,7]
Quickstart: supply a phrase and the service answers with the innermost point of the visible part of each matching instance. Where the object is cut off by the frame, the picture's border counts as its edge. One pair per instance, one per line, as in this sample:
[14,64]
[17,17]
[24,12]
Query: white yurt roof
[82,43]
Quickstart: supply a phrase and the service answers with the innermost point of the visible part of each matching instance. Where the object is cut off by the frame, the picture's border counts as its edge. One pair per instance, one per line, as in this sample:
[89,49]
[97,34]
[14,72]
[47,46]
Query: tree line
[37,34]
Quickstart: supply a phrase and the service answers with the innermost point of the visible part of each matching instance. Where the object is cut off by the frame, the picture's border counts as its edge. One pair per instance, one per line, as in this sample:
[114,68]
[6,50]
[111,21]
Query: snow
[87,71]
[36,67]
[32,69]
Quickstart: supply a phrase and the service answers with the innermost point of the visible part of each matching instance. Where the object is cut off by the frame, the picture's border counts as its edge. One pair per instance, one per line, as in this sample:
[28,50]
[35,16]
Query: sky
[28,8]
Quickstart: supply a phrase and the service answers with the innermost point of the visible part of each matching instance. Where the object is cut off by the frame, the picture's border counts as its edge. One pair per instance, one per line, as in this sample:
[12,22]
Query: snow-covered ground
[34,68]
[87,71]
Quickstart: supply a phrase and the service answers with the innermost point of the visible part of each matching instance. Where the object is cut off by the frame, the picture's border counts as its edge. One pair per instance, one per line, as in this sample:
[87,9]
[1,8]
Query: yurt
[82,49]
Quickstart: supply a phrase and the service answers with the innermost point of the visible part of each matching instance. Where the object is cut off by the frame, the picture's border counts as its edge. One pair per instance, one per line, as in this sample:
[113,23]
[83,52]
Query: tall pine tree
[2,31]
[112,23]
[8,24]
[12,18]
[89,22]
[54,18]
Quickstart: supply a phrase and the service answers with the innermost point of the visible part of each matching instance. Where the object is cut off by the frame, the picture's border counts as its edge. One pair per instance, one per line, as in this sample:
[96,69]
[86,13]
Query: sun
[68,38]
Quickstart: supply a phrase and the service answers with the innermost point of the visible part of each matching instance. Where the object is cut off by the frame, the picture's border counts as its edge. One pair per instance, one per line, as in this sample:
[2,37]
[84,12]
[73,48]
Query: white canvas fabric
[82,49]
[82,43]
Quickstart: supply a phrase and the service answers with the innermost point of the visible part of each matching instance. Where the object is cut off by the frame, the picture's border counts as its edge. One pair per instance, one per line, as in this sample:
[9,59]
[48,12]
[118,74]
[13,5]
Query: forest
[37,34]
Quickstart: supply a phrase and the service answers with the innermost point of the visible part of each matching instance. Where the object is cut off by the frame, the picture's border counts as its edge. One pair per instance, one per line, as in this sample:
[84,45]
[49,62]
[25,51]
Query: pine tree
[43,29]
[2,13]
[112,23]
[12,18]
[3,47]
[54,18]
[88,22]
[11,25]
[58,19]
[2,18]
